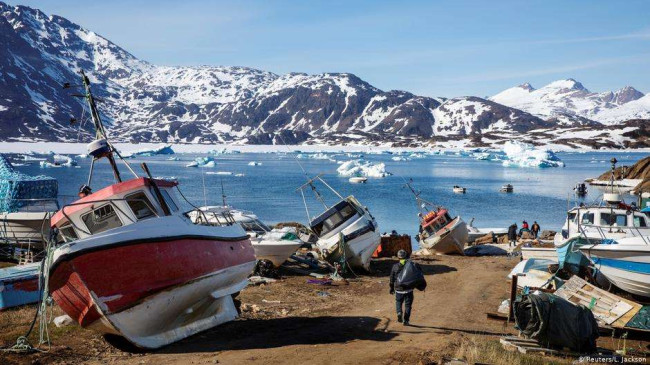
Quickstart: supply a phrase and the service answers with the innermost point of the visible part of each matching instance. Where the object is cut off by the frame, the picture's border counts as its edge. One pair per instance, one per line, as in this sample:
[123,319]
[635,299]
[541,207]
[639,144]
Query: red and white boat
[131,263]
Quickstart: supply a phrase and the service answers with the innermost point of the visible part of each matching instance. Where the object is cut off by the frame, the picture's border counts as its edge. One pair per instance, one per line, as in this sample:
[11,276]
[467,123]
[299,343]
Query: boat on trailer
[346,231]
[275,245]
[439,231]
[129,262]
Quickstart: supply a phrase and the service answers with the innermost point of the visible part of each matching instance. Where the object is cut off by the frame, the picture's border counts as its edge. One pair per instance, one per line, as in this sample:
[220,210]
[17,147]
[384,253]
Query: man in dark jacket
[535,229]
[402,295]
[512,235]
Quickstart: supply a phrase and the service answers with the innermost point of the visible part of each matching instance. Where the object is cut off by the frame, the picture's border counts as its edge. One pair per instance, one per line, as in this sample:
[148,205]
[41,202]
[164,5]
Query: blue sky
[433,48]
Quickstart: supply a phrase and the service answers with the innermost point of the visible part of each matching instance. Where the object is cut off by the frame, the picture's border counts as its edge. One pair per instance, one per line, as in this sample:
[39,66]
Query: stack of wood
[390,244]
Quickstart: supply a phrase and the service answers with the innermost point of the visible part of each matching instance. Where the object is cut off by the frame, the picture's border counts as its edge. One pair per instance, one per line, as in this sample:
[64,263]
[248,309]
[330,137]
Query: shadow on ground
[272,333]
[383,267]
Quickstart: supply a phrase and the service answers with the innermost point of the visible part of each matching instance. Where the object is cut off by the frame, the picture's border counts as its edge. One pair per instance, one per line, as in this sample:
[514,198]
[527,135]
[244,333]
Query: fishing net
[18,190]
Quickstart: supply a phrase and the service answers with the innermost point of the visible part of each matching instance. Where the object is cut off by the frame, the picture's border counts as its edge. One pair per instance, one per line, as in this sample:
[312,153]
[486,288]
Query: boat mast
[611,178]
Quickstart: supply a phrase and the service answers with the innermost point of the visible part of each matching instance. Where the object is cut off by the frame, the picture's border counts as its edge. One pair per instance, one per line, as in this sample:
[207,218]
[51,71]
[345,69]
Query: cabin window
[255,226]
[587,218]
[168,199]
[572,216]
[335,220]
[140,206]
[639,221]
[67,234]
[101,219]
[607,219]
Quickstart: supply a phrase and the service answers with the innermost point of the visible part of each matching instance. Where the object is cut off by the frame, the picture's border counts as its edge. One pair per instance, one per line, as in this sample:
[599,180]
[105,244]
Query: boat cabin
[434,221]
[114,206]
[336,217]
[226,215]
[611,219]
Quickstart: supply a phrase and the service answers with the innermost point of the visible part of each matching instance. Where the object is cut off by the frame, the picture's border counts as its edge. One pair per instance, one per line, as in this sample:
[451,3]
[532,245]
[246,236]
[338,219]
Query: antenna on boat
[223,194]
[611,178]
[100,147]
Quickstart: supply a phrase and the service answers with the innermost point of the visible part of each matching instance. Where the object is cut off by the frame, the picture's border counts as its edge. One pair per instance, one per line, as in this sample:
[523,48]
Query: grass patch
[474,349]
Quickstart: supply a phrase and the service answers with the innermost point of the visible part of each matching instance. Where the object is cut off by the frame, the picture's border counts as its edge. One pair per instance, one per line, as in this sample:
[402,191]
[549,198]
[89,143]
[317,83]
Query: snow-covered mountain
[143,102]
[569,102]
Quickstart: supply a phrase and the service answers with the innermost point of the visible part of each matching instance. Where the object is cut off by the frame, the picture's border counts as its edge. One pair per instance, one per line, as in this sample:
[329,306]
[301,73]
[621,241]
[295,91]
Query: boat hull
[361,240]
[152,292]
[276,252]
[19,285]
[450,239]
[626,266]
[543,253]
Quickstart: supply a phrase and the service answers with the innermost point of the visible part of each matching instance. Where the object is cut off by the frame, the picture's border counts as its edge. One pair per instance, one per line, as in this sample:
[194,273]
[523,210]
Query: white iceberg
[362,168]
[59,161]
[526,155]
[400,158]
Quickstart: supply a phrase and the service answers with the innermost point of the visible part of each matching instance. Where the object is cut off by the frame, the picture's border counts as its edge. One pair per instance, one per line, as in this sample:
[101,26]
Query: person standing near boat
[512,235]
[535,229]
[404,294]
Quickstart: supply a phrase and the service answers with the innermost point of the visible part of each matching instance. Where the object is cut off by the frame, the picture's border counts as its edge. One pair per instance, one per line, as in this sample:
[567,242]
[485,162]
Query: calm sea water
[269,190]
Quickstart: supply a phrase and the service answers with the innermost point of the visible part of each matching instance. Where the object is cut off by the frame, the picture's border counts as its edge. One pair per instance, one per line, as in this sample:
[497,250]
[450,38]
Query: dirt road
[293,322]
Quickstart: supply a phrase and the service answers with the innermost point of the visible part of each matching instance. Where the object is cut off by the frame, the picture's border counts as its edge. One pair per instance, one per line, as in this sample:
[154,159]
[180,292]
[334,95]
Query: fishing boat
[475,232]
[275,245]
[19,285]
[507,188]
[610,219]
[459,189]
[129,262]
[26,205]
[580,189]
[625,262]
[358,179]
[346,231]
[439,231]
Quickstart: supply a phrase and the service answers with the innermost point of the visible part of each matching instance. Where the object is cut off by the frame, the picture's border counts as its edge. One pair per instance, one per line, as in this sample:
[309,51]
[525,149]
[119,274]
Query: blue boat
[19,285]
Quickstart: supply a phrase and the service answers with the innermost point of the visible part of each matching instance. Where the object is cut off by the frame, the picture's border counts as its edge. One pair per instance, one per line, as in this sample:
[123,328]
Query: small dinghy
[19,285]
[358,179]
[459,189]
[507,188]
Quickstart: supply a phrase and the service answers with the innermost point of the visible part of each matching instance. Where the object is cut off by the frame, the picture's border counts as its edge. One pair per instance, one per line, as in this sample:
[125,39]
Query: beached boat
[625,262]
[26,205]
[507,188]
[19,285]
[459,189]
[612,218]
[275,245]
[438,230]
[131,263]
[475,232]
[358,179]
[541,253]
[346,231]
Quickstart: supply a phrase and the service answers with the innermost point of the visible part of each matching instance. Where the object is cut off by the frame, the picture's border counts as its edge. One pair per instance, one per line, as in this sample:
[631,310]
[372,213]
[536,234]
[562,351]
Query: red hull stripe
[121,276]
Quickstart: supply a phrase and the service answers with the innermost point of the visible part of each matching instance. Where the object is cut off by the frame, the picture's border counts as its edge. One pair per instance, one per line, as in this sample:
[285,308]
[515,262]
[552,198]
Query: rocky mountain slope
[142,102]
[569,102]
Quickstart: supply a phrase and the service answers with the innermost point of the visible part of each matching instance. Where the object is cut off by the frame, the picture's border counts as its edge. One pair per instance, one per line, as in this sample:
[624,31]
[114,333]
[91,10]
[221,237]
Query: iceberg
[165,149]
[400,158]
[58,161]
[362,168]
[521,154]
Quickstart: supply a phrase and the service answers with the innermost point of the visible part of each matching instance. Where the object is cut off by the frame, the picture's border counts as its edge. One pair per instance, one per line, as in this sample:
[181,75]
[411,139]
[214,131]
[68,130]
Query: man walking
[512,235]
[402,295]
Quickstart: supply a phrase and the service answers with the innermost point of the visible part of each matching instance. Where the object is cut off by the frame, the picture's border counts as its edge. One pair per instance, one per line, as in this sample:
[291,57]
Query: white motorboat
[625,262]
[438,230]
[358,179]
[541,253]
[507,188]
[275,245]
[346,231]
[475,232]
[459,189]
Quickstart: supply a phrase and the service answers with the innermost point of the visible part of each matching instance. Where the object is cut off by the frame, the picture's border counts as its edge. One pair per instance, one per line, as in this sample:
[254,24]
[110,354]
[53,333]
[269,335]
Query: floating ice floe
[362,168]
[254,163]
[58,161]
[30,158]
[165,149]
[192,164]
[239,175]
[223,151]
[219,173]
[173,159]
[315,156]
[400,158]
[526,155]
[83,155]
[417,155]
